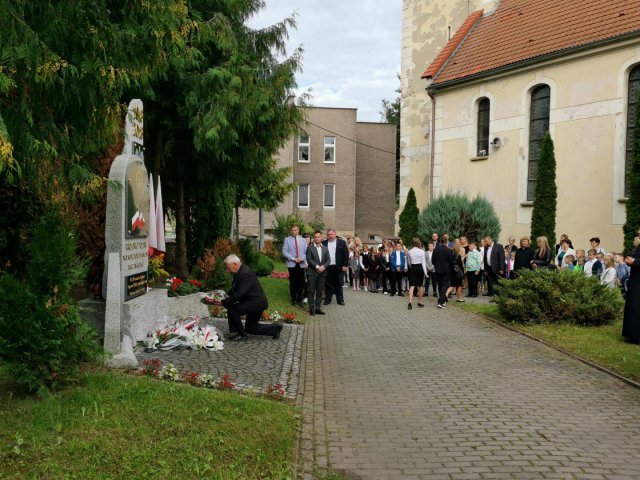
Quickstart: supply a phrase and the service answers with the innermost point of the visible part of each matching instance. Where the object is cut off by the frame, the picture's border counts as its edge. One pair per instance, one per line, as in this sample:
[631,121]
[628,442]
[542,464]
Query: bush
[212,271]
[270,251]
[248,252]
[543,217]
[282,229]
[458,215]
[43,340]
[264,266]
[408,219]
[542,296]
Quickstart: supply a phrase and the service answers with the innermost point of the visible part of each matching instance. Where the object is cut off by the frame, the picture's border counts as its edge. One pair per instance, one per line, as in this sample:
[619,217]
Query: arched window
[538,126]
[632,103]
[484,106]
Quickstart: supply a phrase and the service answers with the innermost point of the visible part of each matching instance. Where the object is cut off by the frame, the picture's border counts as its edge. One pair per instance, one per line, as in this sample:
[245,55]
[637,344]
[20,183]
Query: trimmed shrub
[543,217]
[248,252]
[212,271]
[458,215]
[43,339]
[282,229]
[264,266]
[549,296]
[408,220]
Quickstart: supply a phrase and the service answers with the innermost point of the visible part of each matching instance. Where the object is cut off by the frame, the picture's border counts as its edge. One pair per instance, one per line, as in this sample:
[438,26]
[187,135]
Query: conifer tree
[408,220]
[543,218]
[632,222]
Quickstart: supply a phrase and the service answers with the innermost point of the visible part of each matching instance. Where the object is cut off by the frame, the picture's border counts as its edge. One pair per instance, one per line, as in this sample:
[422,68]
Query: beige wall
[425,31]
[375,180]
[588,126]
[351,160]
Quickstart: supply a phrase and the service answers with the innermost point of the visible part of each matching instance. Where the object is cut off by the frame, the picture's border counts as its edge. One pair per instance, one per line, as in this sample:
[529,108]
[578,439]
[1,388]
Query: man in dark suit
[494,264]
[318,262]
[442,259]
[246,297]
[339,262]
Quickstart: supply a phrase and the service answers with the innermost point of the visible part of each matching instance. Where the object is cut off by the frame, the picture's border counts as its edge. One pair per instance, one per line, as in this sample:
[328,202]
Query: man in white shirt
[339,255]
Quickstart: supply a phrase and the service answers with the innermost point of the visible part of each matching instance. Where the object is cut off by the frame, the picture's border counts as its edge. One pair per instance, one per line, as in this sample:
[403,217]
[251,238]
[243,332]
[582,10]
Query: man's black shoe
[239,338]
[435,294]
[276,335]
[392,294]
[311,312]
[401,294]
[319,312]
[232,335]
[486,295]
[341,303]
[327,302]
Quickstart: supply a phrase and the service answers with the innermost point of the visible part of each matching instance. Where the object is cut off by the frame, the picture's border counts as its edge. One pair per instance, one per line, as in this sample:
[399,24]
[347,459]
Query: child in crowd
[593,266]
[355,265]
[474,262]
[609,275]
[568,262]
[623,270]
[510,259]
[579,268]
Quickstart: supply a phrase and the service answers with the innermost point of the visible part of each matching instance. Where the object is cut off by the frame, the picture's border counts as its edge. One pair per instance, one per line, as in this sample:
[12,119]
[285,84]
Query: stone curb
[494,321]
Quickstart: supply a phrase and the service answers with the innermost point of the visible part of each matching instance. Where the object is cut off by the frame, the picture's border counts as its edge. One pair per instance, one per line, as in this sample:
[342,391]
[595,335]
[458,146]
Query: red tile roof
[522,30]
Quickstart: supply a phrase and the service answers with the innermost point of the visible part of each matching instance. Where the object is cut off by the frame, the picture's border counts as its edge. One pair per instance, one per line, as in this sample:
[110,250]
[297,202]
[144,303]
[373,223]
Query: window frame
[305,144]
[634,78]
[482,142]
[308,205]
[333,146]
[538,94]
[324,196]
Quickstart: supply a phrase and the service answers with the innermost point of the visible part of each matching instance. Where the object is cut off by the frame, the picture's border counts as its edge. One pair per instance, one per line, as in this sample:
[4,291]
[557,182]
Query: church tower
[427,26]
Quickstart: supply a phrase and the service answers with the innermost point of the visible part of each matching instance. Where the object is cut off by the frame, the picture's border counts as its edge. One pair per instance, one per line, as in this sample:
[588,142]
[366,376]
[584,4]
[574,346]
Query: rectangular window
[303,148]
[538,126]
[632,104]
[303,195]
[483,127]
[329,195]
[329,149]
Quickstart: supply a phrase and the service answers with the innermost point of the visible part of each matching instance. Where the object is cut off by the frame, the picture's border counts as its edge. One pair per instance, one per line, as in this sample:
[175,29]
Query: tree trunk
[181,233]
[237,224]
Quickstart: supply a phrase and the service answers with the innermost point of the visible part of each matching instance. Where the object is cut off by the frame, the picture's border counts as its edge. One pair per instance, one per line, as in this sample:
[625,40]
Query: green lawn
[118,426]
[602,345]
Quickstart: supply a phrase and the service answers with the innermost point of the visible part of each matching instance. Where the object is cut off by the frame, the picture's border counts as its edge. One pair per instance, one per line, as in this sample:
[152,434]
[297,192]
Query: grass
[120,426]
[602,345]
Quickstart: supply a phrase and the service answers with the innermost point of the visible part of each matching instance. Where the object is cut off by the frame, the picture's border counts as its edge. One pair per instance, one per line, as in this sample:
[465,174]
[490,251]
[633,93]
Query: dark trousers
[396,281]
[316,289]
[253,310]
[433,279]
[387,280]
[334,284]
[443,285]
[492,281]
[472,282]
[296,283]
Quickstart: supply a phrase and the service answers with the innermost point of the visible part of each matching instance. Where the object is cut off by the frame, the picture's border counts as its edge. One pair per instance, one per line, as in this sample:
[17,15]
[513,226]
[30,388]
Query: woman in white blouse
[418,261]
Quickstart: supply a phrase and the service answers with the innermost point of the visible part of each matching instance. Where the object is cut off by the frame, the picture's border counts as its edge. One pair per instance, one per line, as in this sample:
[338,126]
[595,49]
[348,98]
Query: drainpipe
[433,142]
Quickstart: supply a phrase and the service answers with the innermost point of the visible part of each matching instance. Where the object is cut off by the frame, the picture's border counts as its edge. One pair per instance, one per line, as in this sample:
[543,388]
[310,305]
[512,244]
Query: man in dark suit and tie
[338,264]
[246,297]
[318,261]
[493,263]
[442,259]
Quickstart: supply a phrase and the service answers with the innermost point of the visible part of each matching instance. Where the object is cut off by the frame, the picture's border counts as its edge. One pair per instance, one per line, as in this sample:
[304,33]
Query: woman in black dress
[543,256]
[524,256]
[457,274]
[631,323]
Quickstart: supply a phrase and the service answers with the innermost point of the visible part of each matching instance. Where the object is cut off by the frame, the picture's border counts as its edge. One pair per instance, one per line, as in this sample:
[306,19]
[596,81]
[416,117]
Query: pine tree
[632,222]
[543,218]
[409,219]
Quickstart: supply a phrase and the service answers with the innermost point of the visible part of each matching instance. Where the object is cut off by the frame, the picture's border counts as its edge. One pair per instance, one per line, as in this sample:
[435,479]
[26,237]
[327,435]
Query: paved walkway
[391,393]
[255,364]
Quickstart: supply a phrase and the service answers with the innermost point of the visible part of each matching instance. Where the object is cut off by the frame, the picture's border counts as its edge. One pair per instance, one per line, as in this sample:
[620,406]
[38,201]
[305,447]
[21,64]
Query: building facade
[344,171]
[506,77]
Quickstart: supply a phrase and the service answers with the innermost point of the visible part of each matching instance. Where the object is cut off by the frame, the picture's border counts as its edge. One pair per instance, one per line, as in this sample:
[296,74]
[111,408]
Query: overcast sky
[351,50]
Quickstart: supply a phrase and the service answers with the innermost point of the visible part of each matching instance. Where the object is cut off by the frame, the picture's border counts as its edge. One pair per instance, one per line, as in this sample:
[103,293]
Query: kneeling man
[246,297]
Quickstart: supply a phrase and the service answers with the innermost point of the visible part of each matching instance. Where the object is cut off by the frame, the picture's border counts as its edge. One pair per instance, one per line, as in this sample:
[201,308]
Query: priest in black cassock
[631,323]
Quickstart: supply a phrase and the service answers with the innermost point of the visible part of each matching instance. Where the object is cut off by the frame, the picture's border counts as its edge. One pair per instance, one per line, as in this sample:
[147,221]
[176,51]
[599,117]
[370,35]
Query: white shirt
[417,257]
[332,251]
[319,249]
[588,265]
[398,260]
[489,254]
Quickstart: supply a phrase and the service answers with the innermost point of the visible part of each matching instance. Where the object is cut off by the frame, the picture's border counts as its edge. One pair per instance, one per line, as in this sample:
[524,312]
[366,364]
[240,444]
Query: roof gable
[522,30]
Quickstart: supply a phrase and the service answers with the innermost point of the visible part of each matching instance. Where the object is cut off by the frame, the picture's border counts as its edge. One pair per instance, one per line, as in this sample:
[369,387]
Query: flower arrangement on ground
[277,316]
[188,333]
[178,288]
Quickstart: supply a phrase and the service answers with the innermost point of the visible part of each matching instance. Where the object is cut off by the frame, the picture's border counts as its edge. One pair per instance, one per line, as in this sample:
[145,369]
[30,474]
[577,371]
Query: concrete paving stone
[461,393]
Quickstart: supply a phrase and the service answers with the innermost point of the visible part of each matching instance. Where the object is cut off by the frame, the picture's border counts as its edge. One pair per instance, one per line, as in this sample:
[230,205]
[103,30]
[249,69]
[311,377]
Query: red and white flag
[160,220]
[152,238]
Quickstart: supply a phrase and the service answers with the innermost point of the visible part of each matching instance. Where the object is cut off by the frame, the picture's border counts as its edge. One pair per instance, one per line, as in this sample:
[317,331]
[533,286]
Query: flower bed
[276,316]
[284,275]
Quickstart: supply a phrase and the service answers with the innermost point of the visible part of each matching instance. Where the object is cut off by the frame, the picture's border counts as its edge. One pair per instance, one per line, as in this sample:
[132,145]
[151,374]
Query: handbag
[458,271]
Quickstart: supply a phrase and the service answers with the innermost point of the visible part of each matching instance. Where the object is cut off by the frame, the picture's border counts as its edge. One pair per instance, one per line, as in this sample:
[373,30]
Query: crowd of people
[320,268]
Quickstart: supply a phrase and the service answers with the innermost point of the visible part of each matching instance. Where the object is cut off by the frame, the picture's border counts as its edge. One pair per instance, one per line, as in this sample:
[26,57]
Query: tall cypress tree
[409,219]
[543,218]
[632,222]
